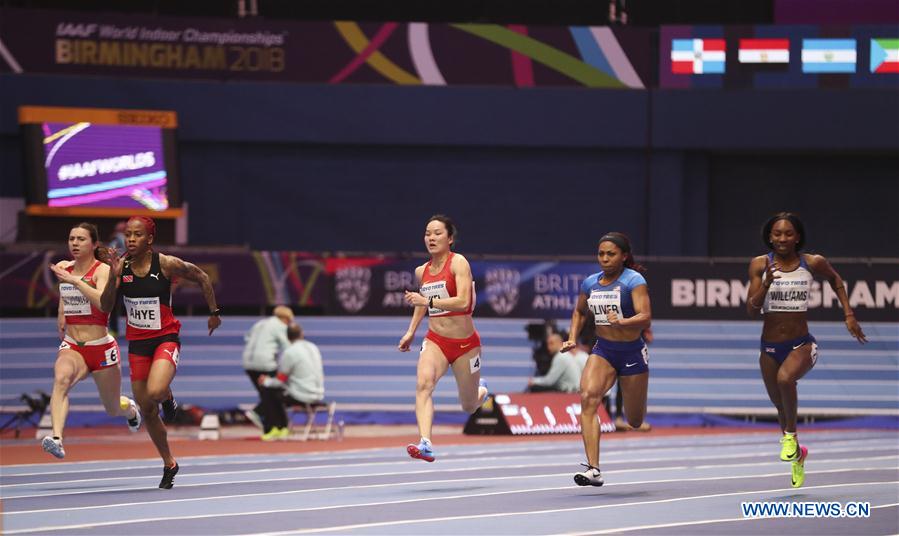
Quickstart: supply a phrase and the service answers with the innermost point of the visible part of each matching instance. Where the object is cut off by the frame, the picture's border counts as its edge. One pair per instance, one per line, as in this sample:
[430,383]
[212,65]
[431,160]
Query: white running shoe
[590,477]
[53,446]
[134,422]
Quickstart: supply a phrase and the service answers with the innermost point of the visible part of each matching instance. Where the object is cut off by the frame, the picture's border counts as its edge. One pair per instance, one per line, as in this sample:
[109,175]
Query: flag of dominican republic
[828,55]
[758,51]
[884,56]
[697,56]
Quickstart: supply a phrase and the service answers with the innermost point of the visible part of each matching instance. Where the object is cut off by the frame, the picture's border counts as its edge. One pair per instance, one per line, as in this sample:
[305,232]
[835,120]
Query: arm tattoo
[192,272]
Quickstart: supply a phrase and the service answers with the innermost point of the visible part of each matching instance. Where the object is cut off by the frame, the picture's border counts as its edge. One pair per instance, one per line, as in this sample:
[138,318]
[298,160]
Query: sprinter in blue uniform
[618,299]
[779,287]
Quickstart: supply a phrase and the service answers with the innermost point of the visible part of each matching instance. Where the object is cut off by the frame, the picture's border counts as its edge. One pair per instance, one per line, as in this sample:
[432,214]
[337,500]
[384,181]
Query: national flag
[697,56]
[828,55]
[885,55]
[127,279]
[764,51]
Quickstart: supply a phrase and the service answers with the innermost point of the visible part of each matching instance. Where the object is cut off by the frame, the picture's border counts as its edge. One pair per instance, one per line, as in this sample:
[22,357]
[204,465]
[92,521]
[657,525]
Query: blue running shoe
[483,397]
[421,451]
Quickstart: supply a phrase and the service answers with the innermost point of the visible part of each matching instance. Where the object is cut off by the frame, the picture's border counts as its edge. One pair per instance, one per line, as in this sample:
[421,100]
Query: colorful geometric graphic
[603,62]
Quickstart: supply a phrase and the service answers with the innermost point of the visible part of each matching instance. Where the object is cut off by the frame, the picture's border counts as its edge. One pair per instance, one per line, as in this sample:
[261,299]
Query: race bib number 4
[603,302]
[144,313]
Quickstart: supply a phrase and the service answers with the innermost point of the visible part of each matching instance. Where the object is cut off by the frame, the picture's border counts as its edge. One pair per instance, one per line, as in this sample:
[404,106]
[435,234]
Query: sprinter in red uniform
[86,347]
[144,277]
[447,296]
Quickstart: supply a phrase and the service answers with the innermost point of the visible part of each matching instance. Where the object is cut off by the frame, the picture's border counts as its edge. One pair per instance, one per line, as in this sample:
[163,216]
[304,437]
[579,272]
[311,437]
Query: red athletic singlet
[77,309]
[443,285]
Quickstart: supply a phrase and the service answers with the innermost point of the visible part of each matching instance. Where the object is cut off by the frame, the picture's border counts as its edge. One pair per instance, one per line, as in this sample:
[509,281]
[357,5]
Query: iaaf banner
[688,289]
[327,52]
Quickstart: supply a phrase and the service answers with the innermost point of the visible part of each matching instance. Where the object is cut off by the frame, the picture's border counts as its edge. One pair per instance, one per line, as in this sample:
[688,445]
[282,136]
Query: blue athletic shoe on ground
[421,451]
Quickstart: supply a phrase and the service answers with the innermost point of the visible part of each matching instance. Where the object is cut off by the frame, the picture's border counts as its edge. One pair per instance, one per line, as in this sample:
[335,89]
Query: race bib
[788,295]
[144,313]
[74,303]
[111,355]
[436,289]
[474,364]
[603,302]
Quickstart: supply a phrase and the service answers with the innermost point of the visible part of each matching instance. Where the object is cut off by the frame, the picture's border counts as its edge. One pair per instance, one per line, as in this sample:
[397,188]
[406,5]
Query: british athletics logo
[697,56]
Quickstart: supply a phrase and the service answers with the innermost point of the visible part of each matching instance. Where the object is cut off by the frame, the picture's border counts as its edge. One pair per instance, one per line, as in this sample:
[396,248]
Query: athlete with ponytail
[87,348]
[619,300]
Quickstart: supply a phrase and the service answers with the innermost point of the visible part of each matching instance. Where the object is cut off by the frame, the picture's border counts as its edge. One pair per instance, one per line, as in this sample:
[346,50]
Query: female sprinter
[87,347]
[619,301]
[447,295]
[145,279]
[779,285]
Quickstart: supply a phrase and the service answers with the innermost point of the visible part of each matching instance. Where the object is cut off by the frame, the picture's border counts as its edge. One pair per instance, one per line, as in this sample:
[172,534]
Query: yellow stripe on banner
[266,279]
[99,116]
[352,34]
[64,131]
[32,285]
[310,283]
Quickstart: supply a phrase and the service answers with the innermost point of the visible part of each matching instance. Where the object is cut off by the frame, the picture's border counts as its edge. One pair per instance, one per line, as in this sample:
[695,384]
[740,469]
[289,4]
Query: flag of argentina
[828,55]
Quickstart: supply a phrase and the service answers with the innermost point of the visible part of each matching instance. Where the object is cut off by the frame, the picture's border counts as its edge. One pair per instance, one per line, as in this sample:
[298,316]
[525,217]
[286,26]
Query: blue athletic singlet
[615,296]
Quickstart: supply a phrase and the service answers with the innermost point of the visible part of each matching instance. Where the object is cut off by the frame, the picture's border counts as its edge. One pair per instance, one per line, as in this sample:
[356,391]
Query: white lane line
[442,498]
[465,480]
[462,459]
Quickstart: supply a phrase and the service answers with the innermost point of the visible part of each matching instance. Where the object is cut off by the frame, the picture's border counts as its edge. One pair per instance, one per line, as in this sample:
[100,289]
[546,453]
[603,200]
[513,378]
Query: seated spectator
[300,375]
[564,374]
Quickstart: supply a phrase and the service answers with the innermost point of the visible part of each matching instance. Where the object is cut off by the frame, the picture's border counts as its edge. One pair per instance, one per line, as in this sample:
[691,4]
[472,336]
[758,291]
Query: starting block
[210,427]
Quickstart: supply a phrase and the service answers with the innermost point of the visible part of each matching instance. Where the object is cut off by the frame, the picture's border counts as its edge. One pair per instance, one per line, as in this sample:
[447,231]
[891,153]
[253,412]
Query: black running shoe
[168,477]
[170,410]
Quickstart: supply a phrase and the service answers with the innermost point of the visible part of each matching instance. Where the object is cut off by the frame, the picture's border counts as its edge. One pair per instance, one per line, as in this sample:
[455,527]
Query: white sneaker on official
[53,446]
[590,477]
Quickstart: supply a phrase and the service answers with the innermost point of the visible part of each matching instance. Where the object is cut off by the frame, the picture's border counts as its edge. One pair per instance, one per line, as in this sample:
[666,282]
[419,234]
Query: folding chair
[311,410]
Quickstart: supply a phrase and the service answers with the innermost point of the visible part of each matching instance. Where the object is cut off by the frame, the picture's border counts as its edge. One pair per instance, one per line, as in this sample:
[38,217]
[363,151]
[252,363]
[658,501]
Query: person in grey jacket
[264,342]
[564,373]
[300,375]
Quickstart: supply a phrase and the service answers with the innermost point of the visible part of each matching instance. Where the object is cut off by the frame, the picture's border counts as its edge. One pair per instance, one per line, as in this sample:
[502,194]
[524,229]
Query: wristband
[217,312]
